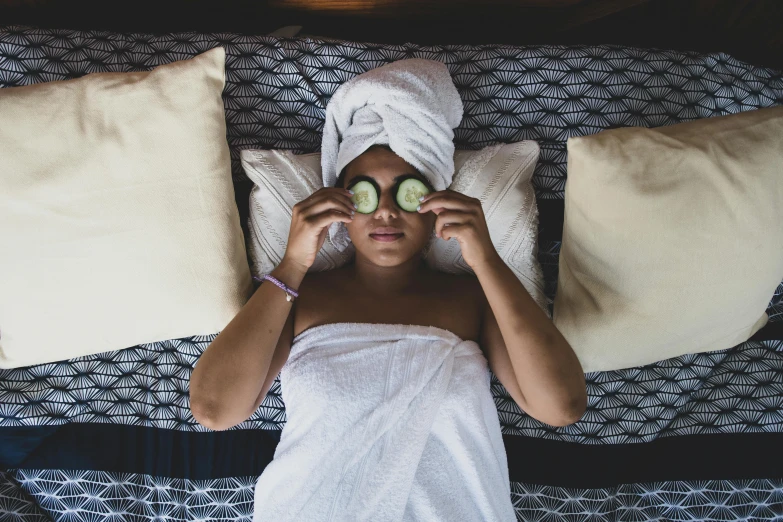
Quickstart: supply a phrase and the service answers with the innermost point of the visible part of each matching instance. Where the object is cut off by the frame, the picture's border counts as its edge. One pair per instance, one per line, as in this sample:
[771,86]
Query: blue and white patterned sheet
[276,92]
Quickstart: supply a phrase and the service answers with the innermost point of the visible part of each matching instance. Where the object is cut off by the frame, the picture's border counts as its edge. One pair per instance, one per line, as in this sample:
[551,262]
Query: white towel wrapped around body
[386,422]
[411,105]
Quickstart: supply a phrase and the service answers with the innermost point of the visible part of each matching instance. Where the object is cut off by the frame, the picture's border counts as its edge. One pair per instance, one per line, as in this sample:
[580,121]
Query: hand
[310,222]
[461,217]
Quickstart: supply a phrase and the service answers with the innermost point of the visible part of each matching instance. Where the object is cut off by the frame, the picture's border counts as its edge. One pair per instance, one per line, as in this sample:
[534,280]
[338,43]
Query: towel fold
[386,422]
[411,105]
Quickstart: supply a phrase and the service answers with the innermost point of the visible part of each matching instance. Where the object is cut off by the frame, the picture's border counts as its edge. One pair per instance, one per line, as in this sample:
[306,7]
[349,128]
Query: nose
[387,208]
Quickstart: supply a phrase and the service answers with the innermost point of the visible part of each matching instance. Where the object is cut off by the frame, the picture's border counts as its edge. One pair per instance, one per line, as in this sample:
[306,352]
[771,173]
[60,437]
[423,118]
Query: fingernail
[418,208]
[421,198]
[355,205]
[351,191]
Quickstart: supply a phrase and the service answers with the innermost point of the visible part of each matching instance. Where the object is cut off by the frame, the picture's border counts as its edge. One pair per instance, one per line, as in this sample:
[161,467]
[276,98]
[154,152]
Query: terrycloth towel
[411,105]
[386,422]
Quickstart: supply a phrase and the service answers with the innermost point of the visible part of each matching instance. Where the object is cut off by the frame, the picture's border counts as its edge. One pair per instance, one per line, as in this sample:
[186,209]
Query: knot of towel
[410,105]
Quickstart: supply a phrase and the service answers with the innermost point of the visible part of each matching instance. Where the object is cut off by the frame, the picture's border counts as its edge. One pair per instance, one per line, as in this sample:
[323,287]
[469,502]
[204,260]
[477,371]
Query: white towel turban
[410,105]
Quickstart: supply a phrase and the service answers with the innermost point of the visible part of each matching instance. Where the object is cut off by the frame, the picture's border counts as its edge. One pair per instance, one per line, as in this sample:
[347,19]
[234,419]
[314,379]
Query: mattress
[697,437]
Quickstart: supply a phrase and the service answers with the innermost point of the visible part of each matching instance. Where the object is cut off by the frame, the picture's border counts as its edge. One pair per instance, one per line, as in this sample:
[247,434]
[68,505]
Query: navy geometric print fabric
[97,495]
[275,96]
[739,389]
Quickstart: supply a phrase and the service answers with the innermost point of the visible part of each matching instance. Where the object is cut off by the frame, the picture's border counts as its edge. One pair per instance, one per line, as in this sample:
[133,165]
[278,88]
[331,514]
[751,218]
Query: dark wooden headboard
[751,30]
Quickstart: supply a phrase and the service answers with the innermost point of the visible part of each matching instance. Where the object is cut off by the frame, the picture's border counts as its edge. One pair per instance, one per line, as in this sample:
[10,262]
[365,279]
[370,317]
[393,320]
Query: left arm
[525,350]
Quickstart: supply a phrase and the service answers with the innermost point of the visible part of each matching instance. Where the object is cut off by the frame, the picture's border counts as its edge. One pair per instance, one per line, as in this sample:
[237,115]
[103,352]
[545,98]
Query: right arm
[235,373]
[237,369]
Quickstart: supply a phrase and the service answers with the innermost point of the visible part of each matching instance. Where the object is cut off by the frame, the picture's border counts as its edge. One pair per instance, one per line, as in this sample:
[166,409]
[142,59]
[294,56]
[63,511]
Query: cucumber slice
[409,192]
[365,196]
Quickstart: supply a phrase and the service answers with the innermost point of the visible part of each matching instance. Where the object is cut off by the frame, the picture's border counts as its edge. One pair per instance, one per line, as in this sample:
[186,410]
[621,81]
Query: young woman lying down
[384,363]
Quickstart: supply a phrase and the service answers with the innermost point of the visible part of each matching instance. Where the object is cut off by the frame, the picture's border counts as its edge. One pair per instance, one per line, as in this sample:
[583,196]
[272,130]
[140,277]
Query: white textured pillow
[672,238]
[118,223]
[498,175]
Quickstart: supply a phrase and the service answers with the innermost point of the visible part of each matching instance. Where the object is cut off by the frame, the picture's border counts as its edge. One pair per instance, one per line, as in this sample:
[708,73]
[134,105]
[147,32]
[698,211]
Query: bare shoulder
[318,288]
[463,284]
[464,291]
[311,288]
[315,281]
[459,286]
[462,302]
[313,291]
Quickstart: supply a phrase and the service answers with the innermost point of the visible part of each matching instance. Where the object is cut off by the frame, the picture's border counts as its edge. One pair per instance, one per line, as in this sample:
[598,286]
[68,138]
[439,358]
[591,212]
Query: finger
[449,218]
[454,216]
[454,231]
[327,203]
[451,200]
[327,218]
[326,193]
[448,193]
[344,195]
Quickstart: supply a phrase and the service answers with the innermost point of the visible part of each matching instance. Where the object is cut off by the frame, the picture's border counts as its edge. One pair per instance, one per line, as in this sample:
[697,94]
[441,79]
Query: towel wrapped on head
[410,105]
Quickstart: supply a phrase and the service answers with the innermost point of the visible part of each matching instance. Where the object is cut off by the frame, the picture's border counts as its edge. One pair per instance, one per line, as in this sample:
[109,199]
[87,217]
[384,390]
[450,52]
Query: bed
[697,437]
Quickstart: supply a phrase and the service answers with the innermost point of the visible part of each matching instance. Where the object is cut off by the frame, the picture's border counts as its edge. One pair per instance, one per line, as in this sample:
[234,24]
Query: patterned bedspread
[697,437]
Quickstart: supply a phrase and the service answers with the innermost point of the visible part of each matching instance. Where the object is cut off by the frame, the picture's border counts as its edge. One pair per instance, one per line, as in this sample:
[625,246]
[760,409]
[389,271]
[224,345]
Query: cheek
[358,221]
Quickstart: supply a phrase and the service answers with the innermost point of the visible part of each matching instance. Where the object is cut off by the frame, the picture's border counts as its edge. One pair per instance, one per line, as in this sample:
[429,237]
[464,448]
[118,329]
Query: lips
[386,230]
[386,237]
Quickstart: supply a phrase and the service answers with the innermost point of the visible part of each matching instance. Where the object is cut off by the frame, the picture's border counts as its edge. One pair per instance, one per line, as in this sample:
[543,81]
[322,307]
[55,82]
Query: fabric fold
[364,406]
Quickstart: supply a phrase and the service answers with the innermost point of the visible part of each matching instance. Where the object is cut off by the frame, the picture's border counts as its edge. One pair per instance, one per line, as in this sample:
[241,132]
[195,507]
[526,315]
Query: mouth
[386,238]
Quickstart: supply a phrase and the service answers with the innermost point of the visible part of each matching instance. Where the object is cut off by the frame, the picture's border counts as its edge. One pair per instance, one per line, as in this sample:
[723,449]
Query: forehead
[381,165]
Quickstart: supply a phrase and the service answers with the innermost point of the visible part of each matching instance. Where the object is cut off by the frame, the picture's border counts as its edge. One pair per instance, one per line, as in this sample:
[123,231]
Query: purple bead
[280,285]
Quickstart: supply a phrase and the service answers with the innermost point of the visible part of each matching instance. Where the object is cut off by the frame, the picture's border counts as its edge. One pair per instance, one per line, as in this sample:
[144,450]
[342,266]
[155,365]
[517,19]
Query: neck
[387,281]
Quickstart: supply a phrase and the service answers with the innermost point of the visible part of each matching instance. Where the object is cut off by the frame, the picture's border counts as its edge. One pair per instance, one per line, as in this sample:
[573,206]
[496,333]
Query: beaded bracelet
[290,293]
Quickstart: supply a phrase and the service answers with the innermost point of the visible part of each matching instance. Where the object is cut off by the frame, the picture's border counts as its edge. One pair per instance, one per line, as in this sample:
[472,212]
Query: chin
[388,260]
[386,254]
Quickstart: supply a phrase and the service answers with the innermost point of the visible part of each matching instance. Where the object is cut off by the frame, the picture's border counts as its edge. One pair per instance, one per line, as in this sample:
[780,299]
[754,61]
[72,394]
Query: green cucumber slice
[409,193]
[365,196]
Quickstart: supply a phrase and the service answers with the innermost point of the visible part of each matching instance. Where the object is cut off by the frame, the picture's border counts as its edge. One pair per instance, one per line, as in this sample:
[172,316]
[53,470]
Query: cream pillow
[672,238]
[118,222]
[498,175]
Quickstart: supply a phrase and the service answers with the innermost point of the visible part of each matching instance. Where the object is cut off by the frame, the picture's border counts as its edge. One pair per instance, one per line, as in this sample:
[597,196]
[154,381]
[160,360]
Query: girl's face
[416,229]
